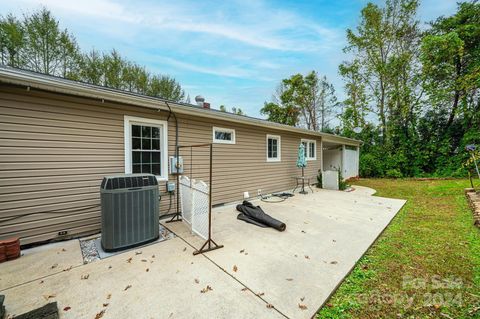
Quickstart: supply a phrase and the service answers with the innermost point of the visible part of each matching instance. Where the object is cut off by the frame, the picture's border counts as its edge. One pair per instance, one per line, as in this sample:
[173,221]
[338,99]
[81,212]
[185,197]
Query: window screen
[146,154]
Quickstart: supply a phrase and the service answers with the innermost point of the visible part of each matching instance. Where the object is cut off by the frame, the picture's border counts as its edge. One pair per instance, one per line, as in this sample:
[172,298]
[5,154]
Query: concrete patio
[260,273]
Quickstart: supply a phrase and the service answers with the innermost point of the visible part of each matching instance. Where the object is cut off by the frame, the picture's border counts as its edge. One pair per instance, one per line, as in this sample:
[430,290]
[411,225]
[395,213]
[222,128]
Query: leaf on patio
[100,314]
[235,268]
[147,270]
[302,306]
[184,248]
[129,260]
[106,304]
[295,255]
[144,260]
[41,281]
[84,277]
[307,257]
[138,252]
[67,269]
[289,279]
[128,287]
[49,296]
[109,267]
[197,281]
[260,294]
[242,251]
[246,254]
[270,306]
[334,262]
[63,249]
[244,289]
[302,299]
[109,296]
[153,256]
[206,289]
[54,266]
[67,308]
[304,232]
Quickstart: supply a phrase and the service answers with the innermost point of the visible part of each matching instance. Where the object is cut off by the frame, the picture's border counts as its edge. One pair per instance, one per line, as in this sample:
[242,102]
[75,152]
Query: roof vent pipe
[200,100]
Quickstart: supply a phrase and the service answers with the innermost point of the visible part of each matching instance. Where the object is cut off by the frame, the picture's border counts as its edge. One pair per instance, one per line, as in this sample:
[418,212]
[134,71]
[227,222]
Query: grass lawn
[425,265]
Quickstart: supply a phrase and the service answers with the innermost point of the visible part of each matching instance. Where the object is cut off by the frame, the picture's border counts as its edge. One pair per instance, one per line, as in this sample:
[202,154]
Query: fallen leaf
[296,255]
[334,240]
[302,299]
[329,305]
[244,289]
[109,296]
[129,260]
[54,266]
[41,281]
[269,306]
[184,248]
[302,306]
[147,270]
[128,287]
[153,256]
[260,294]
[106,304]
[138,253]
[334,262]
[289,279]
[100,314]
[67,269]
[49,296]
[63,249]
[144,260]
[303,232]
[206,289]
[197,281]
[306,257]
[235,268]
[246,254]
[109,267]
[67,308]
[242,251]
[83,277]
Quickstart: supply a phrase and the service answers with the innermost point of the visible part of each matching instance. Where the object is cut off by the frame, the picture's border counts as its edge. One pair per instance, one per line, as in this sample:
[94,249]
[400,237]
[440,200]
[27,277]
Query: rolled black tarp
[255,215]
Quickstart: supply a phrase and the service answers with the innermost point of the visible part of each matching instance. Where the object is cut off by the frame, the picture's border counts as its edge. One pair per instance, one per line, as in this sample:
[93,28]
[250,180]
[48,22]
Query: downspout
[177,188]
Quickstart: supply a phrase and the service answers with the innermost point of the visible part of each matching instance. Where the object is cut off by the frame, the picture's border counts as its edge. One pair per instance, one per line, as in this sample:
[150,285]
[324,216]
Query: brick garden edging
[474,201]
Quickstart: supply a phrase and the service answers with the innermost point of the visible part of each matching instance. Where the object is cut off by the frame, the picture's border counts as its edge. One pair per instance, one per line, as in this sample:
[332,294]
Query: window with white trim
[223,135]
[274,148]
[310,149]
[146,145]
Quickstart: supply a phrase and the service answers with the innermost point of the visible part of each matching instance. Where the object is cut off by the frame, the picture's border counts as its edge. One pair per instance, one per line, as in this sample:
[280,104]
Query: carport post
[344,159]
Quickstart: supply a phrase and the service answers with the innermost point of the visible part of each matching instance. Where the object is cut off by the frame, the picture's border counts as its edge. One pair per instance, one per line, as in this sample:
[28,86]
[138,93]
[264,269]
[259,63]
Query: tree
[12,41]
[165,87]
[222,108]
[91,68]
[288,115]
[312,96]
[48,49]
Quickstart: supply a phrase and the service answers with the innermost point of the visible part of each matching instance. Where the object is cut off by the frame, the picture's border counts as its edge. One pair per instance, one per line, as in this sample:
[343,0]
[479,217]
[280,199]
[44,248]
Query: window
[310,149]
[223,135]
[273,148]
[146,146]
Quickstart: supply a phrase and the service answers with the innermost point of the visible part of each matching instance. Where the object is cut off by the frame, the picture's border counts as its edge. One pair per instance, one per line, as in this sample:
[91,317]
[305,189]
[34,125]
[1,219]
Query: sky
[233,53]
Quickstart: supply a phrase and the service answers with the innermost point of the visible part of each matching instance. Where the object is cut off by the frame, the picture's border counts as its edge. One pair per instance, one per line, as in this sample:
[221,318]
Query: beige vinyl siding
[55,149]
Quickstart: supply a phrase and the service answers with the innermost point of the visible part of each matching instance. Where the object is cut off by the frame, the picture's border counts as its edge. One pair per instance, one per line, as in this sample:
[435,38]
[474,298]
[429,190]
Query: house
[60,137]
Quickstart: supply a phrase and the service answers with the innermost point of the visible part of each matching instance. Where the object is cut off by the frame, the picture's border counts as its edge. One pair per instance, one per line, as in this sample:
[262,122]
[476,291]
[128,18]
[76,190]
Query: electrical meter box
[170,187]
[176,167]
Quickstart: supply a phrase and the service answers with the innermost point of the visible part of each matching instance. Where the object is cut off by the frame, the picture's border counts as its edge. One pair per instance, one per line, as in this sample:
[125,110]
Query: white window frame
[279,148]
[163,125]
[314,142]
[225,130]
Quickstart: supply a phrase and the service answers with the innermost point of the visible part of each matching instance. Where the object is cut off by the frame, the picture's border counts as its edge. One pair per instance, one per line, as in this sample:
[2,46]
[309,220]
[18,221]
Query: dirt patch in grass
[425,265]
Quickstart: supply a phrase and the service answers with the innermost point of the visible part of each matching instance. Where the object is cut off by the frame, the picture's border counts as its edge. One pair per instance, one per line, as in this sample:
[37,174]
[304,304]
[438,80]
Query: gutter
[59,85]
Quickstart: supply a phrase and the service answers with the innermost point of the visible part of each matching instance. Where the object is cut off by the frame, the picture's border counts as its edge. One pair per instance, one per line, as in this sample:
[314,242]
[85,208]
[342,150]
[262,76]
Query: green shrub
[370,166]
[394,173]
[342,184]
[319,178]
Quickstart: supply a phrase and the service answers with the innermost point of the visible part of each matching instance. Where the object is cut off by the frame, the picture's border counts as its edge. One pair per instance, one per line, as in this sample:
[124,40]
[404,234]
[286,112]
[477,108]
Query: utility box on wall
[176,167]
